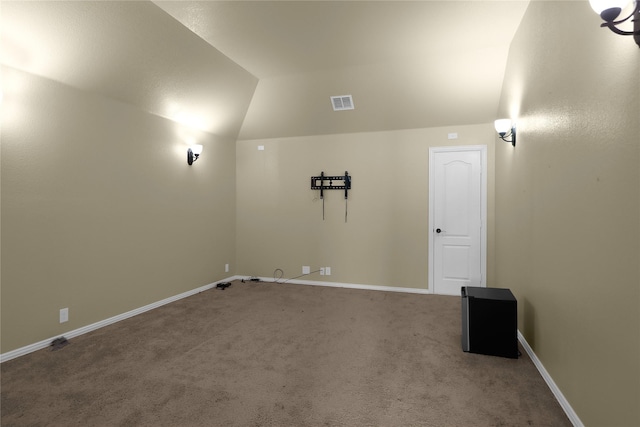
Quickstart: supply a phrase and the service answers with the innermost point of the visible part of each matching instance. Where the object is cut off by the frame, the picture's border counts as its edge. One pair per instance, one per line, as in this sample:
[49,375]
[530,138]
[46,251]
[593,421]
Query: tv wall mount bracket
[326,182]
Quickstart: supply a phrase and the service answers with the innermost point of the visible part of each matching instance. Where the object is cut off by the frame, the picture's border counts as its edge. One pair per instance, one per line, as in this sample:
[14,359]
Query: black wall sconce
[506,130]
[193,153]
[609,11]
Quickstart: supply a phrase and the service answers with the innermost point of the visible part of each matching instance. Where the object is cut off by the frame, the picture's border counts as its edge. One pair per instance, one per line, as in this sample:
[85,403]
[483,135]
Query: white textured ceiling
[273,38]
[408,64]
[131,51]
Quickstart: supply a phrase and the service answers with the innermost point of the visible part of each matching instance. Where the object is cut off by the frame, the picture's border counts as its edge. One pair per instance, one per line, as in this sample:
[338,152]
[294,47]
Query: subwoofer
[489,321]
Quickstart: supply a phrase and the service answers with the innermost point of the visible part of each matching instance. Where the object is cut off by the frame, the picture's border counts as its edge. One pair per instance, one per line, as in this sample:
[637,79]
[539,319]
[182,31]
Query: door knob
[438,231]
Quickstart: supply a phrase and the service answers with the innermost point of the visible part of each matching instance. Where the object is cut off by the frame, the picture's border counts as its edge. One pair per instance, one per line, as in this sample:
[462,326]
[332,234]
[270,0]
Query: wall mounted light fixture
[506,130]
[609,11]
[193,153]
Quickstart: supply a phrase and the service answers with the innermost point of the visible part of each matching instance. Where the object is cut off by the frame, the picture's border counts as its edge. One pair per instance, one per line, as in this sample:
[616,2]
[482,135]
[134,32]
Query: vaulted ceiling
[268,68]
[408,64]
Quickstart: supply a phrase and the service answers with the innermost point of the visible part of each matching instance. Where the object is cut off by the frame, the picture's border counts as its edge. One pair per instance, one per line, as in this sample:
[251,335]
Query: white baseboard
[80,331]
[347,285]
[564,403]
[92,327]
[573,417]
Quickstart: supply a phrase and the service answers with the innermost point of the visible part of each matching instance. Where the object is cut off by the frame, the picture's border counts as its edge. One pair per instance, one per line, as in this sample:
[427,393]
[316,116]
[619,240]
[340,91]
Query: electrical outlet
[327,271]
[64,315]
[226,268]
[322,271]
[306,269]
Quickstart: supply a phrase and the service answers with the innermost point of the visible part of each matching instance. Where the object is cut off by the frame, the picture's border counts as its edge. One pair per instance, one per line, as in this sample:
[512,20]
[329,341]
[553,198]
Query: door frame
[483,208]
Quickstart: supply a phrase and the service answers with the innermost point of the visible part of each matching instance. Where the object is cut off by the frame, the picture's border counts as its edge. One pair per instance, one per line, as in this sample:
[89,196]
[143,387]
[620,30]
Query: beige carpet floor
[265,354]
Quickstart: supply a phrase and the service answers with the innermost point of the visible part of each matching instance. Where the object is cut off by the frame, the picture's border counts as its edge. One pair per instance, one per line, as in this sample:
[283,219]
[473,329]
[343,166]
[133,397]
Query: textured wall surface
[568,206]
[100,211]
[385,239]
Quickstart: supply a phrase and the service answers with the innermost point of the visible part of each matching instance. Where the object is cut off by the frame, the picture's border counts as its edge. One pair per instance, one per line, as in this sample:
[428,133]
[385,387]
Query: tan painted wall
[100,211]
[385,239]
[567,206]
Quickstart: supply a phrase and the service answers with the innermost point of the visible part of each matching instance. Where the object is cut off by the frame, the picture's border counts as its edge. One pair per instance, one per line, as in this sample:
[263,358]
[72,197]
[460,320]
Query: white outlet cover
[64,315]
[327,271]
[306,269]
[226,268]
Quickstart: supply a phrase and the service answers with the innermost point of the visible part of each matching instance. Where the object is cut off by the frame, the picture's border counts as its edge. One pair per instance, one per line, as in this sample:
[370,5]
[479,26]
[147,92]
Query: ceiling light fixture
[193,153]
[506,130]
[609,11]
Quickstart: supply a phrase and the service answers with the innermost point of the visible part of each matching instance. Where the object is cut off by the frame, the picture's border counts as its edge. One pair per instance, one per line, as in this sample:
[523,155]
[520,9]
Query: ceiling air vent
[343,102]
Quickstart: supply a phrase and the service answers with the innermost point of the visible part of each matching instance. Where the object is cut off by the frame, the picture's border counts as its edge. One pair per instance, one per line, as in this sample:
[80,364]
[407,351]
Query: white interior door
[457,218]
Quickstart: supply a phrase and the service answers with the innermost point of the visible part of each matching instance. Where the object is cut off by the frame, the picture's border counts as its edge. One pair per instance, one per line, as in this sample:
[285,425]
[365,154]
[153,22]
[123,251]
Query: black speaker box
[489,321]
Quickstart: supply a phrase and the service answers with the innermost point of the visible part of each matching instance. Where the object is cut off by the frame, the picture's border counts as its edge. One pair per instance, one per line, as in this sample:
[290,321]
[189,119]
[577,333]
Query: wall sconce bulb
[193,153]
[506,130]
[609,10]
